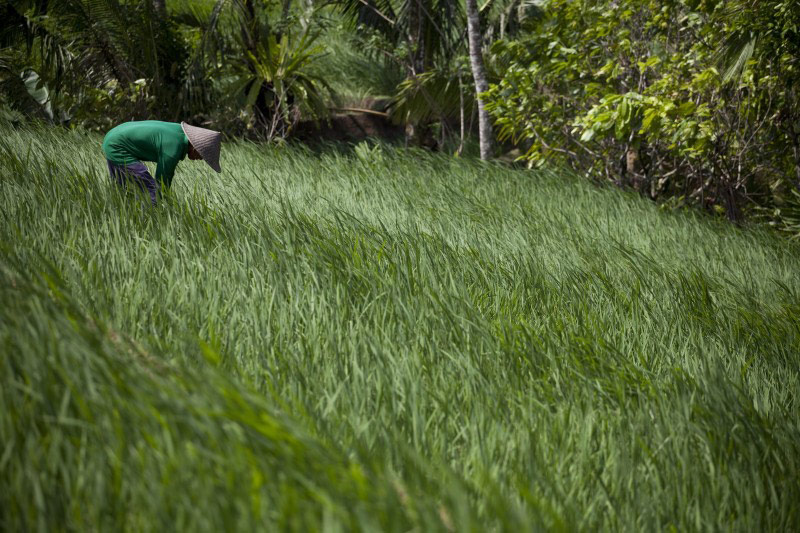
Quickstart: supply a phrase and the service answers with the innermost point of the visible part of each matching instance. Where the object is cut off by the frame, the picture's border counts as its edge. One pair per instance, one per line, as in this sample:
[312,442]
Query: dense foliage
[297,345]
[93,61]
[687,101]
[695,101]
[241,65]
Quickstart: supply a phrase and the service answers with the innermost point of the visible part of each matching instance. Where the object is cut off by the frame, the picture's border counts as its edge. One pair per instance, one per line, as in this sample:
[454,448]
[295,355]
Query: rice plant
[384,340]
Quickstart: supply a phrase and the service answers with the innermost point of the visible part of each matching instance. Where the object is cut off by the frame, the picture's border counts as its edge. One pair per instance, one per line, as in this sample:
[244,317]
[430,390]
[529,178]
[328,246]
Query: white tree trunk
[479,75]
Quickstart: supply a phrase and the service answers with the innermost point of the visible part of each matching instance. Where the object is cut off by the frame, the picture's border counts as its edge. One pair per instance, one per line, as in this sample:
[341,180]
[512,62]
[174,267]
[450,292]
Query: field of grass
[384,340]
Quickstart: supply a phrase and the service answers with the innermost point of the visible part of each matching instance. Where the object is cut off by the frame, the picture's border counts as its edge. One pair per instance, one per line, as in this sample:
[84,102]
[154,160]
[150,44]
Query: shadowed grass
[405,340]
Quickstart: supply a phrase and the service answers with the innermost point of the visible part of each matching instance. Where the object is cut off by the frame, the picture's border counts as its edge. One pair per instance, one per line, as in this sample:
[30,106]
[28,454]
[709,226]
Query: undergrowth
[384,340]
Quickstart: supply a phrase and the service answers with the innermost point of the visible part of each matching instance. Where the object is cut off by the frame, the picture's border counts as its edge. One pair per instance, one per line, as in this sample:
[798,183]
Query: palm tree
[423,37]
[265,64]
[479,76]
[80,46]
[434,39]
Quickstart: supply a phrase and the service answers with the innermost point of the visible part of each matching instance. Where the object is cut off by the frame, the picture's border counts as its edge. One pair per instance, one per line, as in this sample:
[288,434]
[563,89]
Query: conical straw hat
[206,142]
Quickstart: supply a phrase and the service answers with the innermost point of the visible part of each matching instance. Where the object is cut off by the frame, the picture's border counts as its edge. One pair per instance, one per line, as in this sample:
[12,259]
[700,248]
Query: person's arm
[172,149]
[165,170]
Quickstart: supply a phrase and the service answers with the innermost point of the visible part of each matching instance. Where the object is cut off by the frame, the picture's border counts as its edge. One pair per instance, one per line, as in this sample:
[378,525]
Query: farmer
[163,143]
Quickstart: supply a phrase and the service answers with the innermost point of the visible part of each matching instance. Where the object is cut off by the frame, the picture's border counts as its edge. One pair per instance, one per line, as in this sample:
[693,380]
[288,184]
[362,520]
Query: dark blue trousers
[136,173]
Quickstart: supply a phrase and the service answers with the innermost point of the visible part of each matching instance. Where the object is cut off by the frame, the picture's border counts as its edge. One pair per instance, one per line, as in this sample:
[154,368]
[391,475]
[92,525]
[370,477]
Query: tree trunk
[248,29]
[308,10]
[284,23]
[248,26]
[287,7]
[416,134]
[479,75]
[793,133]
[460,113]
[160,7]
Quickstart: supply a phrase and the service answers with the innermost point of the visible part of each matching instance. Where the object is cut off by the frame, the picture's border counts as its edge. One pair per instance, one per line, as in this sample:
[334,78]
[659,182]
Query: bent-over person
[163,143]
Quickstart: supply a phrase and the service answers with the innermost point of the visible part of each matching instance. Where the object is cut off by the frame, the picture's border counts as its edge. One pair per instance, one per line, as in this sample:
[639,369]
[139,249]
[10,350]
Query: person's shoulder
[152,124]
[155,123]
[165,130]
[131,125]
[121,126]
[173,127]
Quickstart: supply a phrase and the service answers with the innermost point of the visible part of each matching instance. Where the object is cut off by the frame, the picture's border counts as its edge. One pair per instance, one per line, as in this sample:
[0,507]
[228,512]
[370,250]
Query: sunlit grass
[312,341]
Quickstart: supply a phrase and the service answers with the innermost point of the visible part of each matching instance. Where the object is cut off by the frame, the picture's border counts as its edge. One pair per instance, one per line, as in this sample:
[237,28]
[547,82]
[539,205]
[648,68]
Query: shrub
[693,101]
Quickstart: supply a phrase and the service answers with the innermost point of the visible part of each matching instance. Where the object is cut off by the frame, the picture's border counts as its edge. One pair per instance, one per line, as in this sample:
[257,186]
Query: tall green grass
[387,340]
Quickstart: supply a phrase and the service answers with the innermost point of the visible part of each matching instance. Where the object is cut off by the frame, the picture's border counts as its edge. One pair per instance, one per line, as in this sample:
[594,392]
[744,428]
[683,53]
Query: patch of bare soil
[349,125]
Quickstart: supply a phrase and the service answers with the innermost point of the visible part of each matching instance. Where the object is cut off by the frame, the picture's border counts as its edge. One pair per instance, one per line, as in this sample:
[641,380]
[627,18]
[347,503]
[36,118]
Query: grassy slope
[406,341]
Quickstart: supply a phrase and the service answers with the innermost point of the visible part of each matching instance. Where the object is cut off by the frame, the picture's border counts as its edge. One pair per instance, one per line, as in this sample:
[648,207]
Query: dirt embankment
[348,124]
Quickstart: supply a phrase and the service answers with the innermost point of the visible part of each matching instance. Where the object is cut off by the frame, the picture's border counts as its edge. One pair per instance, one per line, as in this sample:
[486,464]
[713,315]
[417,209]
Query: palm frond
[376,14]
[735,54]
[433,95]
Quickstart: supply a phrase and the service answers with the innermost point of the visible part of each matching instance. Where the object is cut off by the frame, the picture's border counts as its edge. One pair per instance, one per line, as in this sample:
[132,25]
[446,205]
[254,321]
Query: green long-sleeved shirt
[163,143]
